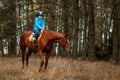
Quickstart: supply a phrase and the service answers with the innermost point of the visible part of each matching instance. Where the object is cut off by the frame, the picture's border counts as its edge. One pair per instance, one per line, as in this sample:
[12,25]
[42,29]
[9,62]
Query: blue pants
[36,34]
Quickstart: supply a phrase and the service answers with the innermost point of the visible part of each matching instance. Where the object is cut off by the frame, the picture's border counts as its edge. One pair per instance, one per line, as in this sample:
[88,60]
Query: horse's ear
[66,35]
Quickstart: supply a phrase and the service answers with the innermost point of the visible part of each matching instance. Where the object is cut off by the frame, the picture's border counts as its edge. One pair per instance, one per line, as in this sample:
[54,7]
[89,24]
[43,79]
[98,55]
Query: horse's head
[64,42]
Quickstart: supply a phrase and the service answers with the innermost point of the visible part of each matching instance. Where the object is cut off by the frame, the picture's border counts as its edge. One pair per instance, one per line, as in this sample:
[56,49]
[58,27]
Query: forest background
[93,26]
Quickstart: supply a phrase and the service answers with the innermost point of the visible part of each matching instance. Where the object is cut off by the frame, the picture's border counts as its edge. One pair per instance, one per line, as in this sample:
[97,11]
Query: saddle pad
[31,37]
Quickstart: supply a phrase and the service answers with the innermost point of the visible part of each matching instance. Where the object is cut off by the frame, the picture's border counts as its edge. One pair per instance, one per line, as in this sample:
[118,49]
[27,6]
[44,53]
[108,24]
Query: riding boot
[35,42]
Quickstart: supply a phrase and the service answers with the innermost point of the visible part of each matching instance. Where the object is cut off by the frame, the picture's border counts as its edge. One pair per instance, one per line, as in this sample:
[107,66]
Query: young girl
[38,26]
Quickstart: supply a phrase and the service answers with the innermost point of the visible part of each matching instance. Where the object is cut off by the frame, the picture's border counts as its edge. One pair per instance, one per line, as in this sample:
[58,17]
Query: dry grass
[58,69]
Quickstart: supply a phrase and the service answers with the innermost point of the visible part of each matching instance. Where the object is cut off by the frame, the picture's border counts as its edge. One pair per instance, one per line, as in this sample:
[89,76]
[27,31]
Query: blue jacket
[38,24]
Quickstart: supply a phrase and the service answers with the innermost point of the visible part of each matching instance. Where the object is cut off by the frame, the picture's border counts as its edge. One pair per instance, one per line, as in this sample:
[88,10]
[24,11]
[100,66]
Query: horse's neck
[53,36]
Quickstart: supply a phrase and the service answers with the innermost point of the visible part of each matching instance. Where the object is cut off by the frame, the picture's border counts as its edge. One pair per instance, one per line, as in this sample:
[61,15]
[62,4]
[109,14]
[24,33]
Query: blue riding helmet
[39,13]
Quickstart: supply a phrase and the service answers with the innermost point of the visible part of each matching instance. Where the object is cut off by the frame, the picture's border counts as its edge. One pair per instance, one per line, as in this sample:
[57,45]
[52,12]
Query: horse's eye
[65,40]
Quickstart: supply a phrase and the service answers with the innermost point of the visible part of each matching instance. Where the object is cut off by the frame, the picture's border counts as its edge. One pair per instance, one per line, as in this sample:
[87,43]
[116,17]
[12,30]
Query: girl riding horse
[45,44]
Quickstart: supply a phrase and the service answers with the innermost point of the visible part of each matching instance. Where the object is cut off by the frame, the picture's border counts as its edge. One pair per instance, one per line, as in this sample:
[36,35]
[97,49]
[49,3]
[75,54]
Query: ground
[58,69]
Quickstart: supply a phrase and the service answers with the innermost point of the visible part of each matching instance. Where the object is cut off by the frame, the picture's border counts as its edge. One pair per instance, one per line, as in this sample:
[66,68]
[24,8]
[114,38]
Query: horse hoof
[22,68]
[39,70]
[44,69]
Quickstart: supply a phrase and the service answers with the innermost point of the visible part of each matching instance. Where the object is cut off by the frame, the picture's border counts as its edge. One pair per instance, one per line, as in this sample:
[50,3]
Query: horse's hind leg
[23,55]
[27,56]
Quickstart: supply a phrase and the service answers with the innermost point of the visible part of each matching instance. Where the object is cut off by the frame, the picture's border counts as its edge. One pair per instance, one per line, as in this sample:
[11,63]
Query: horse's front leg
[46,60]
[41,59]
[27,56]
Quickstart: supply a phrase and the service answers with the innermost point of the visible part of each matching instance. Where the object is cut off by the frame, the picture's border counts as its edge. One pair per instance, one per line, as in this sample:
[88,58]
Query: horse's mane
[50,33]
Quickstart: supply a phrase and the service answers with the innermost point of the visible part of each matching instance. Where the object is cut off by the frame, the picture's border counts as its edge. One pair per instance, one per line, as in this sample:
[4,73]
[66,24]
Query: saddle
[39,37]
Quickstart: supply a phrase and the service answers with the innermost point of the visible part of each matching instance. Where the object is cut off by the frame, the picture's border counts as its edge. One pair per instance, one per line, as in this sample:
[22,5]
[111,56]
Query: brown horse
[45,43]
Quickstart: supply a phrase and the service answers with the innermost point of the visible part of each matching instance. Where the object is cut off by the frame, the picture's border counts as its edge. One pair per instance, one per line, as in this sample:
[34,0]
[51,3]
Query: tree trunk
[12,46]
[84,54]
[1,48]
[51,17]
[65,12]
[91,31]
[116,31]
[76,27]
[12,30]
